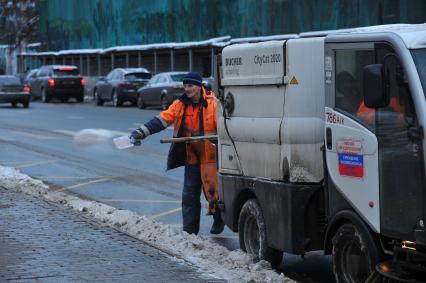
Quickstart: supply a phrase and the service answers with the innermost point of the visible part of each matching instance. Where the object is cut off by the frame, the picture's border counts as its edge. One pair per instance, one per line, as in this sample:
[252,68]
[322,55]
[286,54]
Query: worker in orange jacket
[193,114]
[368,115]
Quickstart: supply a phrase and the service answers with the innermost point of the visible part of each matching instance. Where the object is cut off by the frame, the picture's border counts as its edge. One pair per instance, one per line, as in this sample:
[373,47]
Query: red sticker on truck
[351,146]
[351,165]
[351,159]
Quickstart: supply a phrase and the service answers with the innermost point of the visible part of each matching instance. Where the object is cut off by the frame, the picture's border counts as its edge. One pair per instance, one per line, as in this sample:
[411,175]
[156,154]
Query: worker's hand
[136,136]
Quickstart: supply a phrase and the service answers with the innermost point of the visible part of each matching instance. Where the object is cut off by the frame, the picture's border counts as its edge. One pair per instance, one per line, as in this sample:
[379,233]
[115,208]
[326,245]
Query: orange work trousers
[204,153]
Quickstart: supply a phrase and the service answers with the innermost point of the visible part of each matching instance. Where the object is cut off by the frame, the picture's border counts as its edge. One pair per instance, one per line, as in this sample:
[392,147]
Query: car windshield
[138,76]
[178,77]
[63,72]
[419,56]
[9,80]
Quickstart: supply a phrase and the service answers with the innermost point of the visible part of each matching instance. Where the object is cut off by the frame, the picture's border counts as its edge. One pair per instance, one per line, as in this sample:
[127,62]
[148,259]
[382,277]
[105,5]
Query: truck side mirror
[376,94]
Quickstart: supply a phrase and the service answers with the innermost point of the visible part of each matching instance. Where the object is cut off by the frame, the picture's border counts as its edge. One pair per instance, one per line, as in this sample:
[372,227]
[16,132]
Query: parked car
[120,85]
[13,91]
[58,81]
[161,90]
[29,80]
[208,83]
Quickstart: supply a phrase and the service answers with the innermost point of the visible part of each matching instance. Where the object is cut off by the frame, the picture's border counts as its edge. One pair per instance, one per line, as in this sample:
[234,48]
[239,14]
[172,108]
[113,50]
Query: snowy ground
[209,257]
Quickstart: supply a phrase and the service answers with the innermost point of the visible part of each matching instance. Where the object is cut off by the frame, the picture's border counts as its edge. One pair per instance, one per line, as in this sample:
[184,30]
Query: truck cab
[321,146]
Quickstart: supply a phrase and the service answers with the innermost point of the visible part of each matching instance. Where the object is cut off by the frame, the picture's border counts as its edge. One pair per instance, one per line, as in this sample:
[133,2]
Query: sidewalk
[44,242]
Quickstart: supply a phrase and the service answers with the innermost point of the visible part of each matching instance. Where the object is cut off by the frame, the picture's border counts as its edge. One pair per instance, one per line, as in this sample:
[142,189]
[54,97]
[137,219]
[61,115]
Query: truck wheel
[80,98]
[252,234]
[26,103]
[355,254]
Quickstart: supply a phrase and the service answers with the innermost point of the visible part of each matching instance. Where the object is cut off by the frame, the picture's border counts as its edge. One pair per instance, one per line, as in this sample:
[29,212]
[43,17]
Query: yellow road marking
[141,200]
[88,183]
[15,162]
[35,136]
[65,132]
[63,177]
[166,213]
[34,163]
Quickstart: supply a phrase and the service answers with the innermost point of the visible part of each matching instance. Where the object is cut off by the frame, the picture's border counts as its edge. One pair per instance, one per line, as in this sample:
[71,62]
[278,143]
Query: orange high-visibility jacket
[368,115]
[191,120]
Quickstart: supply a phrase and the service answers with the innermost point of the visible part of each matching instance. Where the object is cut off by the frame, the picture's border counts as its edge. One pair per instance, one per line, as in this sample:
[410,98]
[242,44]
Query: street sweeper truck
[321,147]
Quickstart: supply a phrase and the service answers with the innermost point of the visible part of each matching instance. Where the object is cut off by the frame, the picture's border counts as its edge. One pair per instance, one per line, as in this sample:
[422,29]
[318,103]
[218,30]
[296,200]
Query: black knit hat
[193,78]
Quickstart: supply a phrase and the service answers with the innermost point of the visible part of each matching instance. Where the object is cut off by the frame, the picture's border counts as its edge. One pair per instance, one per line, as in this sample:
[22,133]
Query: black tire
[99,101]
[44,96]
[252,234]
[355,254]
[26,104]
[14,104]
[80,98]
[164,102]
[139,102]
[115,99]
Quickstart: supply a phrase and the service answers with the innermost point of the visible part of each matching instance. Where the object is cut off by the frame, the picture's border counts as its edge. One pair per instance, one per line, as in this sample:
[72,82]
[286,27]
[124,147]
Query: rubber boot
[218,224]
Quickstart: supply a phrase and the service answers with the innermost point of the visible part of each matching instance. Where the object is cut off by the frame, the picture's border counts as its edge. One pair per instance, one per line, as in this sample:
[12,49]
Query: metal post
[72,60]
[19,63]
[127,59]
[81,65]
[53,59]
[63,60]
[213,62]
[191,61]
[99,65]
[88,65]
[172,60]
[44,60]
[112,61]
[155,62]
[24,63]
[139,59]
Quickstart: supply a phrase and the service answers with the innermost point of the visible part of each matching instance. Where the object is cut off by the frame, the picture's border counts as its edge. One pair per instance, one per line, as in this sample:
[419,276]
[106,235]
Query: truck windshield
[419,56]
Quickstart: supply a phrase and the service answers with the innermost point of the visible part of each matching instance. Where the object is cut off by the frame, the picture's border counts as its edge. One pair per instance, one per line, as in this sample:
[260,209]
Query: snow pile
[212,258]
[90,137]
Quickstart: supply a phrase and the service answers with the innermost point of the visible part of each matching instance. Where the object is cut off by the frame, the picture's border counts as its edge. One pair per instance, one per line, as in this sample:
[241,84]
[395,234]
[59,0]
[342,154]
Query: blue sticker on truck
[351,165]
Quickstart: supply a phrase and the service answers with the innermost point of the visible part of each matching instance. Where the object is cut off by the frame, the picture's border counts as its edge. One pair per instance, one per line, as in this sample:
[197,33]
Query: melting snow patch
[210,257]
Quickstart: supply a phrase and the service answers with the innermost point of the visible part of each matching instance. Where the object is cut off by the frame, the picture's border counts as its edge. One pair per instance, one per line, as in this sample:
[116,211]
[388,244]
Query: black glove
[136,136]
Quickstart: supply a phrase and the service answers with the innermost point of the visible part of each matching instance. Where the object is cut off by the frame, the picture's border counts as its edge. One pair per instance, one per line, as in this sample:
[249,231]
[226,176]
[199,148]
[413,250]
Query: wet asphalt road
[39,141]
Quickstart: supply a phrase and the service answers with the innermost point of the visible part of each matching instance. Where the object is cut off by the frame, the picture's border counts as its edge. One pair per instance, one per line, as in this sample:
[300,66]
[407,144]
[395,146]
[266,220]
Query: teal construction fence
[80,24]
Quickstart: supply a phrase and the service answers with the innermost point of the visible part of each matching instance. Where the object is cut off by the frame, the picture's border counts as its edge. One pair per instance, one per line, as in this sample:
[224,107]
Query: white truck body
[297,140]
[277,124]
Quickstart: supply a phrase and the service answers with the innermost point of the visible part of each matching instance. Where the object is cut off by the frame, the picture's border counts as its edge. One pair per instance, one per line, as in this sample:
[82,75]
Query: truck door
[400,152]
[373,157]
[351,145]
